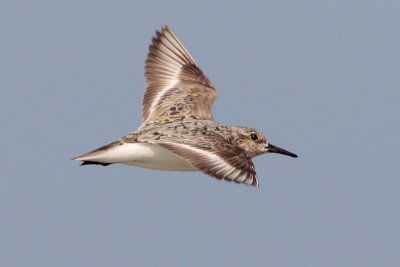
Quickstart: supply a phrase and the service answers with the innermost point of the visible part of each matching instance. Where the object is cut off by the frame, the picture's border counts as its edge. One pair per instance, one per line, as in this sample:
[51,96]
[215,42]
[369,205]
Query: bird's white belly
[146,155]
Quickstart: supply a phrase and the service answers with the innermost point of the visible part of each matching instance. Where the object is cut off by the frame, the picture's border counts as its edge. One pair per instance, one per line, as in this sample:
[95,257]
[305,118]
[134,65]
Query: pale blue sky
[320,78]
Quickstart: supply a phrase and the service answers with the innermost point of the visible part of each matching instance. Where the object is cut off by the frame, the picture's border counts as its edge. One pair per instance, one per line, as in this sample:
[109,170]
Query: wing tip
[253,181]
[256,183]
[77,158]
[87,156]
[91,158]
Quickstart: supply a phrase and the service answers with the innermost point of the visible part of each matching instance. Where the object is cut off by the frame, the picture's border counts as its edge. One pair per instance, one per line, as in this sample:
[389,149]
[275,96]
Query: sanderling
[178,132]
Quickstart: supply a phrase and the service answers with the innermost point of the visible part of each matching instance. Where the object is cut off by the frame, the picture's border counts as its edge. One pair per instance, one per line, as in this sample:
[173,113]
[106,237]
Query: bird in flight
[178,132]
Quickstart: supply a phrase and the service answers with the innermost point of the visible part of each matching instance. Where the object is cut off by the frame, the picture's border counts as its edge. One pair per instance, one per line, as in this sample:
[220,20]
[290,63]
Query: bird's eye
[254,137]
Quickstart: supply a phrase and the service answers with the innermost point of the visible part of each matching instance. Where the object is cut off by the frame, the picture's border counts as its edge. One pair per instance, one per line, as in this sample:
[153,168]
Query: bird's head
[255,143]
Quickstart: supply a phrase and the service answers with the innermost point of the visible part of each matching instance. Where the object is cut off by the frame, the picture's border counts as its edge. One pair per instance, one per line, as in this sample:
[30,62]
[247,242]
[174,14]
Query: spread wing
[225,162]
[175,86]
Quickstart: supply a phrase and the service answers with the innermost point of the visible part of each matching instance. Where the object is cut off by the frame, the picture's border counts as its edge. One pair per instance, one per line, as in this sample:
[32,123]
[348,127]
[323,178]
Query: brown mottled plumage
[178,131]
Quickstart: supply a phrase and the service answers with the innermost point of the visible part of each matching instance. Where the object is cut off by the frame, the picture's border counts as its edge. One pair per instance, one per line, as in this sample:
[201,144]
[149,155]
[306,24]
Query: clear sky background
[320,78]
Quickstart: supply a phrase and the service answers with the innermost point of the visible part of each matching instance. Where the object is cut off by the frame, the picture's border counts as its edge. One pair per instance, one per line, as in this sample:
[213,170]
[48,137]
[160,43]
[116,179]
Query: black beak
[274,149]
